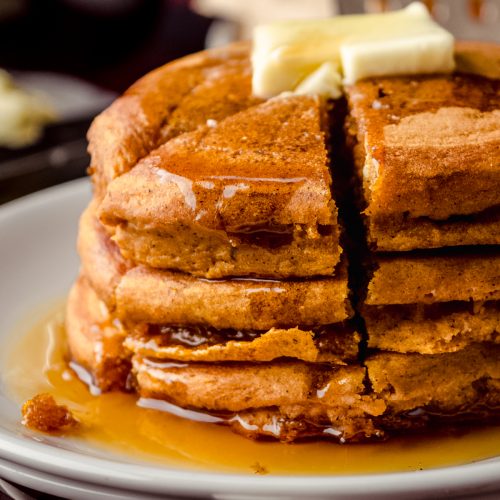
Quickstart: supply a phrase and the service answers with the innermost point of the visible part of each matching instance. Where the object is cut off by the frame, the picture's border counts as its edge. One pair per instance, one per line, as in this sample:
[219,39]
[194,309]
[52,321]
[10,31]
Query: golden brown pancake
[250,195]
[428,154]
[175,98]
[95,338]
[432,328]
[101,343]
[446,384]
[144,295]
[330,343]
[410,278]
[284,395]
[212,281]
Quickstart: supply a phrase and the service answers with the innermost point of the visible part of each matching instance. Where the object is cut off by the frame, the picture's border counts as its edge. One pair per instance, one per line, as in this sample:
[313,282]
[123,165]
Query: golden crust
[95,340]
[431,151]
[426,278]
[432,329]
[223,177]
[261,171]
[168,101]
[141,294]
[446,383]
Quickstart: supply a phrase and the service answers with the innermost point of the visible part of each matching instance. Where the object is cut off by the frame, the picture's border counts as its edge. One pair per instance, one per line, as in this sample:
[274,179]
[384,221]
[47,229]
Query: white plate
[38,262]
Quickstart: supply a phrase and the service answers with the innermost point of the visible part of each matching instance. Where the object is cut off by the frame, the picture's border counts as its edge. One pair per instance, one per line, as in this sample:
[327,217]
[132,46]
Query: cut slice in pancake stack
[427,153]
[214,282]
[212,271]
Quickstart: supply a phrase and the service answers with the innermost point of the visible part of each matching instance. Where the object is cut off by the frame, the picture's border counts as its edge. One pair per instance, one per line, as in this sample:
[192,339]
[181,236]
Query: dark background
[109,43]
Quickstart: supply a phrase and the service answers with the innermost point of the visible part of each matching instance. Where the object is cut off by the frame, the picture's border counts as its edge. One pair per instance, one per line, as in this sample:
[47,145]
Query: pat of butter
[291,55]
[22,115]
[325,81]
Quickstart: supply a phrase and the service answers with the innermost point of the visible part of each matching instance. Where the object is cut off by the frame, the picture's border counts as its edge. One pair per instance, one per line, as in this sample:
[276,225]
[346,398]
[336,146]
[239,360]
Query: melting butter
[318,56]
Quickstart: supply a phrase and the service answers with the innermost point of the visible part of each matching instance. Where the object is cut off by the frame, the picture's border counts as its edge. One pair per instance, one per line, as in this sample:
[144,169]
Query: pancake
[95,339]
[400,234]
[103,345]
[427,156]
[428,277]
[213,282]
[285,395]
[143,295]
[247,196]
[331,343]
[175,98]
[451,385]
[101,260]
[432,328]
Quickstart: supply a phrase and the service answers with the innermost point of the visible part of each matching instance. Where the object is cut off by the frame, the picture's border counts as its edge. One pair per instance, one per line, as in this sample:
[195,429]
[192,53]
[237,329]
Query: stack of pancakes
[214,278]
[427,153]
[212,269]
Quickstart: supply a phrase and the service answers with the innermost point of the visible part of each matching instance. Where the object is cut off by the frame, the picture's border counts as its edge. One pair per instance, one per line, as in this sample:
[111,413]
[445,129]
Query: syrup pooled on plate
[113,421]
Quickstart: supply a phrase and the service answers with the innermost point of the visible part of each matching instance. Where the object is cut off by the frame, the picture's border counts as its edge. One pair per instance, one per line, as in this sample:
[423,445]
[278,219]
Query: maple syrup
[113,421]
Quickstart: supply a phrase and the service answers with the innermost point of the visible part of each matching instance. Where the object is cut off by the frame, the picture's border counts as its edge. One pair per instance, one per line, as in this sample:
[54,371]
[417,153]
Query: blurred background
[63,61]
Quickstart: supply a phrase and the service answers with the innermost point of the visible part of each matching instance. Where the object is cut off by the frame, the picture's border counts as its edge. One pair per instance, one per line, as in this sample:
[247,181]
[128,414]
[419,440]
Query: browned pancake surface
[246,180]
[429,149]
[409,278]
[433,328]
[175,98]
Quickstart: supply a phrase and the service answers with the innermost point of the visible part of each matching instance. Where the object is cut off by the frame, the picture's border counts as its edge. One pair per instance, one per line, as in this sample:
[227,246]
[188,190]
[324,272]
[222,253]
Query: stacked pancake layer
[213,277]
[427,155]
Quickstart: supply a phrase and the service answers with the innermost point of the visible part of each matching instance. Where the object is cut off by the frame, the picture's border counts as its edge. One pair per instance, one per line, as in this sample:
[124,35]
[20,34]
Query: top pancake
[231,187]
[175,98]
[429,150]
[188,153]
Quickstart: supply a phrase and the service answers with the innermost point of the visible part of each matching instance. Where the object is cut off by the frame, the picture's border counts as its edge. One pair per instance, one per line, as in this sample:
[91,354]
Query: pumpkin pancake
[427,150]
[247,196]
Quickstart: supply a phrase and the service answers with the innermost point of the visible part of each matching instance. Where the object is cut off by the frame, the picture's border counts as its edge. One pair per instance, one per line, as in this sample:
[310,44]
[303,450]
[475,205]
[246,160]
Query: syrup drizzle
[114,422]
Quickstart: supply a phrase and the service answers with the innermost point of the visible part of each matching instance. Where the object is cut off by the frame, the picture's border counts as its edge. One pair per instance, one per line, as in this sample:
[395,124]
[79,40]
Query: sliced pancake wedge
[427,151]
[247,196]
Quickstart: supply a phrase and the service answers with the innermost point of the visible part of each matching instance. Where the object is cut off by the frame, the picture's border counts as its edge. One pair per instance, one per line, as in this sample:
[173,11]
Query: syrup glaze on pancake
[333,343]
[440,187]
[258,178]
[175,98]
[461,115]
